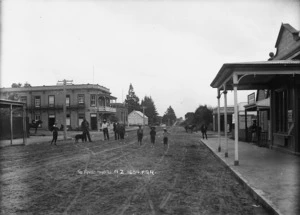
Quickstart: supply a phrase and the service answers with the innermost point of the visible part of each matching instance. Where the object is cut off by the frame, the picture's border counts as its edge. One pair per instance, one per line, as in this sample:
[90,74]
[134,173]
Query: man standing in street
[116,130]
[203,131]
[105,130]
[85,128]
[140,135]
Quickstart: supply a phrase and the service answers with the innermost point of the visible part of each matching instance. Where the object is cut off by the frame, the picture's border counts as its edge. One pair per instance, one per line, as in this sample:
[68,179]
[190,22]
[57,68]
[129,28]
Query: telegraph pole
[65,106]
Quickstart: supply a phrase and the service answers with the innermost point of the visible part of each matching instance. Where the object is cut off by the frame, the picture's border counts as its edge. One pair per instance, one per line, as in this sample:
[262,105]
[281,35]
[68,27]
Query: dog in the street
[79,136]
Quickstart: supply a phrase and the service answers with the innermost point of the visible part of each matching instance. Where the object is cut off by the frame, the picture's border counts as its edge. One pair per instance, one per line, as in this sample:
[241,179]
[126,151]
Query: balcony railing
[107,109]
[73,107]
[56,107]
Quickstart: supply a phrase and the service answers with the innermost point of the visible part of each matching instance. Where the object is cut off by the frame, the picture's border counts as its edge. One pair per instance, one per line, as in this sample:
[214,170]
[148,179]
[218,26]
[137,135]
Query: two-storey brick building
[45,103]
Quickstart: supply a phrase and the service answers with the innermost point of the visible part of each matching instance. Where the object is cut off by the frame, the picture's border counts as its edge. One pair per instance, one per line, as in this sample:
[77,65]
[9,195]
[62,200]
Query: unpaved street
[115,178]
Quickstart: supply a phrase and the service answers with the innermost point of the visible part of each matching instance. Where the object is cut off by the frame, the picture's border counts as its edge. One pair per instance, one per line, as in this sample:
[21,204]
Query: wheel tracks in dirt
[169,194]
[73,202]
[81,149]
[54,160]
[142,188]
[95,190]
[113,158]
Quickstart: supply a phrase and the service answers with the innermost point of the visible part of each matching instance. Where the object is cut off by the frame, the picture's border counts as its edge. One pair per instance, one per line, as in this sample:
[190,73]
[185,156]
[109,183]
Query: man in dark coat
[140,134]
[55,134]
[116,131]
[85,128]
[203,131]
[152,135]
[121,131]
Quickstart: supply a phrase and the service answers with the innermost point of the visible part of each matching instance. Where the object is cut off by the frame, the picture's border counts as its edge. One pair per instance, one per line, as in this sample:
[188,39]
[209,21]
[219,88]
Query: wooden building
[137,118]
[280,75]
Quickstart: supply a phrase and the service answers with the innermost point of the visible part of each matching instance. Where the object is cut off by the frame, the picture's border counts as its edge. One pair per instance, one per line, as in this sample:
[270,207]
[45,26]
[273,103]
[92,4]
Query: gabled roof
[290,29]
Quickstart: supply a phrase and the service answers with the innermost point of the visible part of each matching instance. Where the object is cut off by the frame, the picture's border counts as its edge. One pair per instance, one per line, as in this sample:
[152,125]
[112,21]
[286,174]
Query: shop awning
[13,105]
[254,75]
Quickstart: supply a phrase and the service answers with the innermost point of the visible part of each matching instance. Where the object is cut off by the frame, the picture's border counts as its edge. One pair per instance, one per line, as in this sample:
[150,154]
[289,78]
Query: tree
[203,115]
[132,101]
[169,117]
[15,85]
[27,84]
[19,85]
[189,118]
[150,109]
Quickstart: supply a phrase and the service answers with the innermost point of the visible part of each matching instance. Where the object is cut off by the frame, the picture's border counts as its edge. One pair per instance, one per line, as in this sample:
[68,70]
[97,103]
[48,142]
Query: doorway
[51,120]
[93,121]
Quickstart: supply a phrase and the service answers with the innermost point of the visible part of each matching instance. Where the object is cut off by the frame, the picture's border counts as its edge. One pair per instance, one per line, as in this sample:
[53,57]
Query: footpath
[273,177]
[46,137]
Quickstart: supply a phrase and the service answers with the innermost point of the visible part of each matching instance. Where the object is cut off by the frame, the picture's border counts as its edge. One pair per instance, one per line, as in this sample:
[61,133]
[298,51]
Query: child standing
[166,135]
[55,134]
[140,134]
[152,135]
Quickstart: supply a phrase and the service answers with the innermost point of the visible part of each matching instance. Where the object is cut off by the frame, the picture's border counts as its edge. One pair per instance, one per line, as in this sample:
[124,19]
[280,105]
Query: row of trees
[202,115]
[147,106]
[19,85]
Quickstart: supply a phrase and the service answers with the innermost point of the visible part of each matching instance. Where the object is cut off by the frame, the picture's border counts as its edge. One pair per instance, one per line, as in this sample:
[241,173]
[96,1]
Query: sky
[169,50]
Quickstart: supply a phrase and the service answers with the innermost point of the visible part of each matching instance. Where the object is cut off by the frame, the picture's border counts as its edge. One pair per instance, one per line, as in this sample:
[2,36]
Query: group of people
[140,134]
[119,132]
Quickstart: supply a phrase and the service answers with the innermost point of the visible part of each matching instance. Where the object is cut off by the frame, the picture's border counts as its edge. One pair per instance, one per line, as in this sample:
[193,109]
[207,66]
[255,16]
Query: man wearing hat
[105,130]
[85,129]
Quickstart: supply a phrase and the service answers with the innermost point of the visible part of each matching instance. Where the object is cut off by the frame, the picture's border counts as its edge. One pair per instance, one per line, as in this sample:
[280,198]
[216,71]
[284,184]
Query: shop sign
[251,98]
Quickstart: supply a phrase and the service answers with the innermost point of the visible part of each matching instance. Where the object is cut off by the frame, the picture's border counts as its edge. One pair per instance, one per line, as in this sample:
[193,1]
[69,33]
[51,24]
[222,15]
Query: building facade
[279,77]
[121,112]
[45,103]
[230,111]
[137,118]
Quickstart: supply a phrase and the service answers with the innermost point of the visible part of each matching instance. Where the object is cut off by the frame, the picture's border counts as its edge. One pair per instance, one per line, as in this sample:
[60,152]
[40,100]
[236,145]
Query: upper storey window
[93,100]
[51,100]
[37,101]
[80,99]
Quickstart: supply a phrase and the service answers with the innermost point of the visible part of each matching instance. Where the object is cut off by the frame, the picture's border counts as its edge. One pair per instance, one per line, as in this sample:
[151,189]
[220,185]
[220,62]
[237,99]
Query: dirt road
[114,178]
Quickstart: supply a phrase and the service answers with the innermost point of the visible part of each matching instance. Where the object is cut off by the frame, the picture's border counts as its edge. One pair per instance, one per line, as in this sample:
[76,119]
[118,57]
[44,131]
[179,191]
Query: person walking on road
[140,134]
[105,130]
[85,129]
[55,134]
[203,131]
[166,135]
[152,135]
